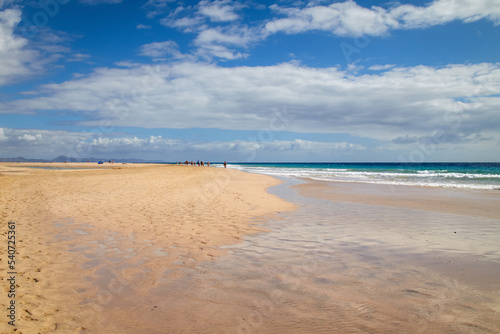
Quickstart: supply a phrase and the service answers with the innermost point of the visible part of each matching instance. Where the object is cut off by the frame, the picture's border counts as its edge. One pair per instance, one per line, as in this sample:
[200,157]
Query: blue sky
[247,81]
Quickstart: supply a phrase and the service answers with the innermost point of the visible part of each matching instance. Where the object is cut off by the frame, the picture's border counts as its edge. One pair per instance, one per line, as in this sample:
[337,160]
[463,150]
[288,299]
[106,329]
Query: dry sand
[73,224]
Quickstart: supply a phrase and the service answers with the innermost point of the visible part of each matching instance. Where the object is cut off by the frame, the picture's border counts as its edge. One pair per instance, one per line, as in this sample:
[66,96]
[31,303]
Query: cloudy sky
[251,80]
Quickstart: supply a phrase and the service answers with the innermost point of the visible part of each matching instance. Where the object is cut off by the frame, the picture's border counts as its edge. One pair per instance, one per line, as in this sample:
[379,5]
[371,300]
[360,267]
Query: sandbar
[74,220]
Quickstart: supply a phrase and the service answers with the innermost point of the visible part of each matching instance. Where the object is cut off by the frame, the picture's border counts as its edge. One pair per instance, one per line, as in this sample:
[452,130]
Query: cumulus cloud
[400,101]
[344,19]
[350,19]
[219,10]
[50,143]
[15,57]
[38,143]
[3,137]
[22,58]
[444,11]
[211,36]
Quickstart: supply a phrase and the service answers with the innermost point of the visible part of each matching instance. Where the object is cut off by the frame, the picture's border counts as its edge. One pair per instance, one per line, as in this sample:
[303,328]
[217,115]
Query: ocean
[481,176]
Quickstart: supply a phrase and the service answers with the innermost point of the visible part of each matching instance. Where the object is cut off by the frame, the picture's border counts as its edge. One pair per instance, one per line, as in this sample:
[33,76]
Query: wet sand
[344,267]
[461,225]
[349,259]
[475,203]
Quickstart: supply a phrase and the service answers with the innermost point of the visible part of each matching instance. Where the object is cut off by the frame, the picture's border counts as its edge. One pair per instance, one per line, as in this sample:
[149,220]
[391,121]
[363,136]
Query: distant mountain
[63,158]
[21,159]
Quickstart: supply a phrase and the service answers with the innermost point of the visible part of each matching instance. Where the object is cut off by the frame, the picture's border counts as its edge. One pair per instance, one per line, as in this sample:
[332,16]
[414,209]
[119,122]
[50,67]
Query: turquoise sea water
[484,176]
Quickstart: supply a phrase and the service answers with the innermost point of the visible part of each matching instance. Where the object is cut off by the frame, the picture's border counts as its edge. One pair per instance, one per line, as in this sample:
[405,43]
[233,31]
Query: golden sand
[72,223]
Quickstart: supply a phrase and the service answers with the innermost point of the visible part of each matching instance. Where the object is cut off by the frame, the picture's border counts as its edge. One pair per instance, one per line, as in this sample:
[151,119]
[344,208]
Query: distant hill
[21,159]
[63,158]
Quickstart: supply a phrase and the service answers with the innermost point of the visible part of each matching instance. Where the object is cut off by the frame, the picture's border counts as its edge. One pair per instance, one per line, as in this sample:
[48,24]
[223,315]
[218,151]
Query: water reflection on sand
[331,268]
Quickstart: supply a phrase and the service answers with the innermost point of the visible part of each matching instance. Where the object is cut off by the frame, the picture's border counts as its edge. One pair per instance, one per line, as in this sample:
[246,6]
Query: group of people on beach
[199,163]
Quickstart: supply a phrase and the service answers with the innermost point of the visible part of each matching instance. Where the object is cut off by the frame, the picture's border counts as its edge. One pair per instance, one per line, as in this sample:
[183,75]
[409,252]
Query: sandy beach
[181,249]
[72,222]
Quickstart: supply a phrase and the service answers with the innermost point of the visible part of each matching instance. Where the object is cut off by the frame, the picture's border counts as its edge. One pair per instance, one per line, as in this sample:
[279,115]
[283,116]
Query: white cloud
[3,137]
[414,101]
[221,35]
[186,24]
[21,58]
[15,57]
[156,7]
[79,57]
[210,36]
[221,42]
[209,51]
[349,19]
[38,143]
[344,19]
[29,137]
[219,10]
[218,33]
[381,67]
[143,26]
[161,49]
[444,11]
[186,19]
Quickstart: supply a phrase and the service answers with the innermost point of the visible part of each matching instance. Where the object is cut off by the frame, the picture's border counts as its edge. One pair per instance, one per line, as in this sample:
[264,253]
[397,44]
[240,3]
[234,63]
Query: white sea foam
[427,178]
